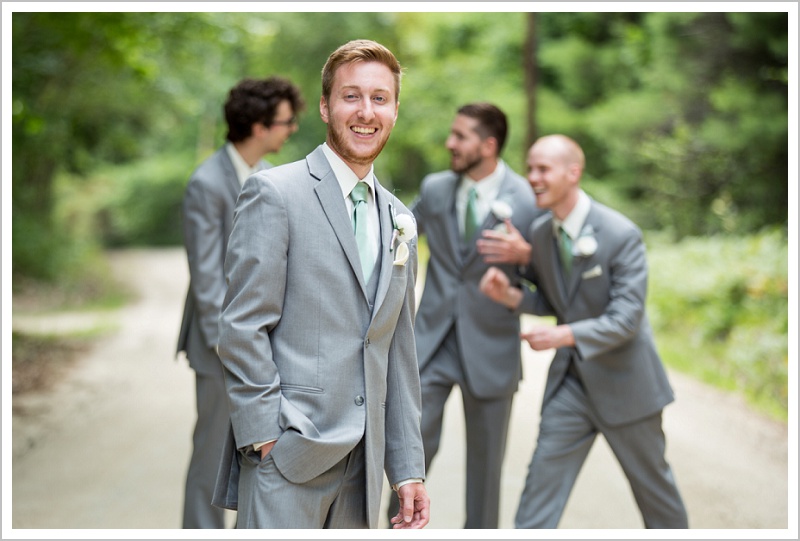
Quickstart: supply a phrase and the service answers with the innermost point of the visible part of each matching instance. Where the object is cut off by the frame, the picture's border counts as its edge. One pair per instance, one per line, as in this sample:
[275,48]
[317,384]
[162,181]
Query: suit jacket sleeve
[533,300]
[404,451]
[620,319]
[203,216]
[255,267]
[417,210]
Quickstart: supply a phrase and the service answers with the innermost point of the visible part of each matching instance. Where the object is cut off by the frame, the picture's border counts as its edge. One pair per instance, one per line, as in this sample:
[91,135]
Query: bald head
[563,148]
[555,165]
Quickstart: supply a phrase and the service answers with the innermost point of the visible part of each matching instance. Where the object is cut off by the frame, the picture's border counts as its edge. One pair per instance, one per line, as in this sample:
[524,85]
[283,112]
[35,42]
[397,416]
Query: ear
[396,112]
[489,147]
[574,171]
[323,110]
[258,129]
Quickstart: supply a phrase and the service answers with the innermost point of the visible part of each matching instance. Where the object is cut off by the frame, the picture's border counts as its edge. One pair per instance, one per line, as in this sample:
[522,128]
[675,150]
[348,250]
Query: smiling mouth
[364,131]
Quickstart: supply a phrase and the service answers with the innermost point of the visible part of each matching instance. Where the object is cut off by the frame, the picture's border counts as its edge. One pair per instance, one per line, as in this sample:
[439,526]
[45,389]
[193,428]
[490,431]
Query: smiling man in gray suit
[463,338]
[261,115]
[588,264]
[316,330]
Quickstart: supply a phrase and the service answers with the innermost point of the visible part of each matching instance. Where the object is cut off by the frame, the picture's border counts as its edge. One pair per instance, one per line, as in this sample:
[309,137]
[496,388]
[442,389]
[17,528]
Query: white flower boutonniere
[585,245]
[401,254]
[502,211]
[404,229]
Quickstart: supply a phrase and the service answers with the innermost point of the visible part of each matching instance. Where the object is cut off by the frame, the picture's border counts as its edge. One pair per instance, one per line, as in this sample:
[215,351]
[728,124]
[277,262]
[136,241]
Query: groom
[316,332]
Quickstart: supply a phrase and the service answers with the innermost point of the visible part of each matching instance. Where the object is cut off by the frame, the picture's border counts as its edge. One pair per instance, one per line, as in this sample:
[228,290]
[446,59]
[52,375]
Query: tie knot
[359,192]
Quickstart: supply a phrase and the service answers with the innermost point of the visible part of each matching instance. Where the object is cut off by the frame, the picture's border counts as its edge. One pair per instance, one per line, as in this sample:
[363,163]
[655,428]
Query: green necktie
[361,228]
[471,216]
[565,250]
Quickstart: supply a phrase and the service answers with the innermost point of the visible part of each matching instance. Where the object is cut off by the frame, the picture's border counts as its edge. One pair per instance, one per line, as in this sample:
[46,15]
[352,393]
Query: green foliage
[684,113]
[719,308]
[144,208]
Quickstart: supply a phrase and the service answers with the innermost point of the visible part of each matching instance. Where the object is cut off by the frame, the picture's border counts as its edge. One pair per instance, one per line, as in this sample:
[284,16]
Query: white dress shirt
[239,165]
[573,223]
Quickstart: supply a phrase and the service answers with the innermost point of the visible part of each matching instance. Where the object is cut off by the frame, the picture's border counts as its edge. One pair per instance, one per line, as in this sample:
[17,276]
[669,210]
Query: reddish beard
[339,144]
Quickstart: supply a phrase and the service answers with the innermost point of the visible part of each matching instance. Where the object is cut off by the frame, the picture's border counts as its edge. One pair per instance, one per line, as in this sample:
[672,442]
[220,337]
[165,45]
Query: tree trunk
[529,67]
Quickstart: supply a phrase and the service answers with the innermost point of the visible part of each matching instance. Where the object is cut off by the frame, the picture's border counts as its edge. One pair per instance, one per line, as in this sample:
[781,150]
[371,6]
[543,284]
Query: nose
[449,143]
[366,111]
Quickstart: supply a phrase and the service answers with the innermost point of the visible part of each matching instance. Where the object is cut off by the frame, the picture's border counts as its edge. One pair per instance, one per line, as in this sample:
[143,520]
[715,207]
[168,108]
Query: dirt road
[108,447]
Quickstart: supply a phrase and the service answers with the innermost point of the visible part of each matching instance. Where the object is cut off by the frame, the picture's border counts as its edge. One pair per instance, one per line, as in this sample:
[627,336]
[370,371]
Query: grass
[38,360]
[719,308]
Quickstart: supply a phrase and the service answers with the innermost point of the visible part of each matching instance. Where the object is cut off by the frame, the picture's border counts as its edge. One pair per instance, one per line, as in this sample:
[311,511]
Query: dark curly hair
[256,100]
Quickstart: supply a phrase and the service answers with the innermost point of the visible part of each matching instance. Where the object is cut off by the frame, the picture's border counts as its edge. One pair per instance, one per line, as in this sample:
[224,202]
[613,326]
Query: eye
[380,99]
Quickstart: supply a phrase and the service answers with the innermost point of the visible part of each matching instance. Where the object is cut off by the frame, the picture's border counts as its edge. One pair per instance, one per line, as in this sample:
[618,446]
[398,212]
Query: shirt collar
[239,165]
[488,185]
[346,177]
[573,223]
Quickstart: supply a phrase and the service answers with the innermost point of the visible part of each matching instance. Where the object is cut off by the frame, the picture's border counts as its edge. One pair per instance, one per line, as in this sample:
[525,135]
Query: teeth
[365,131]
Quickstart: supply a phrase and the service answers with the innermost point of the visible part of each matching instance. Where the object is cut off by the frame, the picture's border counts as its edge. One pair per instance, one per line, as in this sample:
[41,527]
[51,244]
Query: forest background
[683,116]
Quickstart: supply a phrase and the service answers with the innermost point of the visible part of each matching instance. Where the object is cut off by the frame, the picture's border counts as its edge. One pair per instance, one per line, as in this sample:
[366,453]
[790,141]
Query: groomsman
[588,265]
[463,339]
[260,114]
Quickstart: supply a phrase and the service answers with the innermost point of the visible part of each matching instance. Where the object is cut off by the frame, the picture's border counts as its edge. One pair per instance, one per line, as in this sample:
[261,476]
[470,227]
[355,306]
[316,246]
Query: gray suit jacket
[307,360]
[488,333]
[604,303]
[207,218]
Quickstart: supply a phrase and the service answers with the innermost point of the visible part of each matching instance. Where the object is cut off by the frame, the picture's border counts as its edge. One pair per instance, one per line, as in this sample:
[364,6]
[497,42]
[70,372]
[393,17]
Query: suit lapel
[382,200]
[451,221]
[231,179]
[330,197]
[547,256]
[580,263]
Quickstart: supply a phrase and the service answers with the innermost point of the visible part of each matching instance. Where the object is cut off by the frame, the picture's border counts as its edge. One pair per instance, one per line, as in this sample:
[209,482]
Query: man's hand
[265,449]
[496,285]
[415,506]
[499,247]
[545,337]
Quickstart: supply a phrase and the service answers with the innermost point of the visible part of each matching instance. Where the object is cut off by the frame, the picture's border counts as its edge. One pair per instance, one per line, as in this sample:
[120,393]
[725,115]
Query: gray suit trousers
[567,431]
[334,499]
[209,435]
[486,421]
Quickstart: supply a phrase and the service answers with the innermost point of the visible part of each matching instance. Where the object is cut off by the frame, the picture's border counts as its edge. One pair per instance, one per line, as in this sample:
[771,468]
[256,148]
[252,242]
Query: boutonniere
[502,211]
[585,245]
[404,228]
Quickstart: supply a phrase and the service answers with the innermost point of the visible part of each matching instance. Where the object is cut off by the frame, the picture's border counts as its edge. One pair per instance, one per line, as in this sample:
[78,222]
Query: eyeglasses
[291,122]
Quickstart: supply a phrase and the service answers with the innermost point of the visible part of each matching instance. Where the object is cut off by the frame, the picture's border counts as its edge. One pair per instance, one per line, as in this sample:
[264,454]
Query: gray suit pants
[210,431]
[567,431]
[335,499]
[486,422]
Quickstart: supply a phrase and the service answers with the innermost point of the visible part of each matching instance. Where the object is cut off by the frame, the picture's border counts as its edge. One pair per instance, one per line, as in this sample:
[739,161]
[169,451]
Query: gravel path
[107,448]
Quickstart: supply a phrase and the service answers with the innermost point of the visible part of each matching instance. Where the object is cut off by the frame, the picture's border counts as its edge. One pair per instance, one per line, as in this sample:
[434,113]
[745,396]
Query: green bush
[143,208]
[719,308]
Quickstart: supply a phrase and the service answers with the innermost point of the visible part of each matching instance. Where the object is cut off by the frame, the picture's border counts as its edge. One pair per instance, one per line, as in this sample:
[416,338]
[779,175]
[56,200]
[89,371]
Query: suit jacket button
[359,400]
